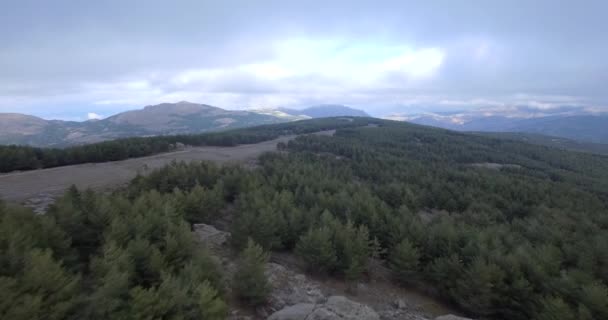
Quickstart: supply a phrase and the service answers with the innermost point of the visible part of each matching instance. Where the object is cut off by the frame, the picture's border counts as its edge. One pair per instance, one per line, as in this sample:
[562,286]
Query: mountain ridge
[589,128]
[161,119]
[326,110]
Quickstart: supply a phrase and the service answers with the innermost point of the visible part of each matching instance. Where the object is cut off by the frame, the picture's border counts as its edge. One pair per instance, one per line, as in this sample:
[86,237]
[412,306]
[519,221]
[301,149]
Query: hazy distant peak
[179,107]
[326,110]
[166,118]
[16,123]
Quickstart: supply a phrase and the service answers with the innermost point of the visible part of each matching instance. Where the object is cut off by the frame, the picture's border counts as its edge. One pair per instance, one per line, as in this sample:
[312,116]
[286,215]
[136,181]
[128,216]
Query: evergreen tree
[404,261]
[553,308]
[353,248]
[317,250]
[210,304]
[43,290]
[250,282]
[595,298]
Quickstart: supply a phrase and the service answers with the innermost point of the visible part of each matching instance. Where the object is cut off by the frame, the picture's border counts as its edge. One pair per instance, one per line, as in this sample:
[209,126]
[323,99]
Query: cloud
[392,56]
[93,116]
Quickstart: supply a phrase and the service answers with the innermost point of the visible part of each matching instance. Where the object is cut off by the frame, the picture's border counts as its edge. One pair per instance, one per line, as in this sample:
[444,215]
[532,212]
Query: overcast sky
[66,59]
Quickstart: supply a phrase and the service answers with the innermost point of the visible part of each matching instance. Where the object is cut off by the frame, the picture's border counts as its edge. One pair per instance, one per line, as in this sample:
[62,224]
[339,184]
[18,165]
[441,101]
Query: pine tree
[356,251]
[554,308]
[250,282]
[595,298]
[210,304]
[317,250]
[49,291]
[479,288]
[404,261]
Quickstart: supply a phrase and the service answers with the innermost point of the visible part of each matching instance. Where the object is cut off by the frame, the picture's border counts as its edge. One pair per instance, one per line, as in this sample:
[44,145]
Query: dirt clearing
[38,187]
[47,183]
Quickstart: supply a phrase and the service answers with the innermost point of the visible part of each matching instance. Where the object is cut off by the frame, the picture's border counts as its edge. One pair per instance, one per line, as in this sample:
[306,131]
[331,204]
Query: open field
[38,187]
[47,183]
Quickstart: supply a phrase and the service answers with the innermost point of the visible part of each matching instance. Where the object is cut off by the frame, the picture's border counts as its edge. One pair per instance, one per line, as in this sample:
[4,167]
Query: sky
[89,59]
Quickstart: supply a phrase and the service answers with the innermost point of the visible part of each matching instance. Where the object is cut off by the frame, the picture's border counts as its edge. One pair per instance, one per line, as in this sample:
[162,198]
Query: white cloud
[94,116]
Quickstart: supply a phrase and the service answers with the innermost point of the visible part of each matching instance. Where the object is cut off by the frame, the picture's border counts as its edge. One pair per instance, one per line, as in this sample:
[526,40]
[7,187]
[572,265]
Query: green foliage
[210,304]
[595,298]
[316,248]
[553,308]
[137,259]
[250,282]
[404,261]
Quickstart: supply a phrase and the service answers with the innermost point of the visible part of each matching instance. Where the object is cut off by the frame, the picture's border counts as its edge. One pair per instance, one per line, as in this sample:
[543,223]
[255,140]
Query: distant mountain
[282,114]
[325,111]
[166,118]
[587,128]
[549,141]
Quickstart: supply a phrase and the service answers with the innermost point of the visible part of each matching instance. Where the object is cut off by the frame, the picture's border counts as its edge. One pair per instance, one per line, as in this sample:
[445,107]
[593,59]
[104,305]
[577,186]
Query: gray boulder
[290,288]
[338,307]
[295,312]
[335,308]
[211,236]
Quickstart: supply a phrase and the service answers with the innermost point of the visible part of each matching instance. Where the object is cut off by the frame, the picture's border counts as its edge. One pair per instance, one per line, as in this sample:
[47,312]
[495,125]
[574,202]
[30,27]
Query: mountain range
[320,111]
[590,128]
[162,119]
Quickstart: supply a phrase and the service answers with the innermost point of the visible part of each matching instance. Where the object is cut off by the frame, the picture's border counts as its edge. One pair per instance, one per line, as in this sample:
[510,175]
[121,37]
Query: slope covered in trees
[525,240]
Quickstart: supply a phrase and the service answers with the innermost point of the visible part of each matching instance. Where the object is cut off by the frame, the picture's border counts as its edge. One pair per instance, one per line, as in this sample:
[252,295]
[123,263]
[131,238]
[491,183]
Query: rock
[261,312]
[399,304]
[296,312]
[338,307]
[234,315]
[290,288]
[451,317]
[400,315]
[335,308]
[211,236]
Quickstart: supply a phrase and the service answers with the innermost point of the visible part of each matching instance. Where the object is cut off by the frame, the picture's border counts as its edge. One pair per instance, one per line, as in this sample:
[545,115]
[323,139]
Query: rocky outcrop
[296,312]
[210,236]
[290,288]
[335,308]
[294,296]
[400,309]
[338,307]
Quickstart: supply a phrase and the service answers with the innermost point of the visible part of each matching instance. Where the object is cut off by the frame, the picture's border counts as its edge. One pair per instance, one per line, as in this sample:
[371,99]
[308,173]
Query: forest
[502,229]
[15,157]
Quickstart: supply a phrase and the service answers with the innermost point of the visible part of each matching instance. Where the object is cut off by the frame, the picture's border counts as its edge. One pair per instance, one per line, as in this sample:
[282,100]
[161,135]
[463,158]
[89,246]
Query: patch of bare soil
[37,186]
[495,166]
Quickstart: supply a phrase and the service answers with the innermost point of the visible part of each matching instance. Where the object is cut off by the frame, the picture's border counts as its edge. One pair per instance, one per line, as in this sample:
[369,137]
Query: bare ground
[40,185]
[38,188]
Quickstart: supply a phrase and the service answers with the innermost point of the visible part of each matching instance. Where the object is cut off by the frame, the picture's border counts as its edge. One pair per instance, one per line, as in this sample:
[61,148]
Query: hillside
[163,119]
[500,228]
